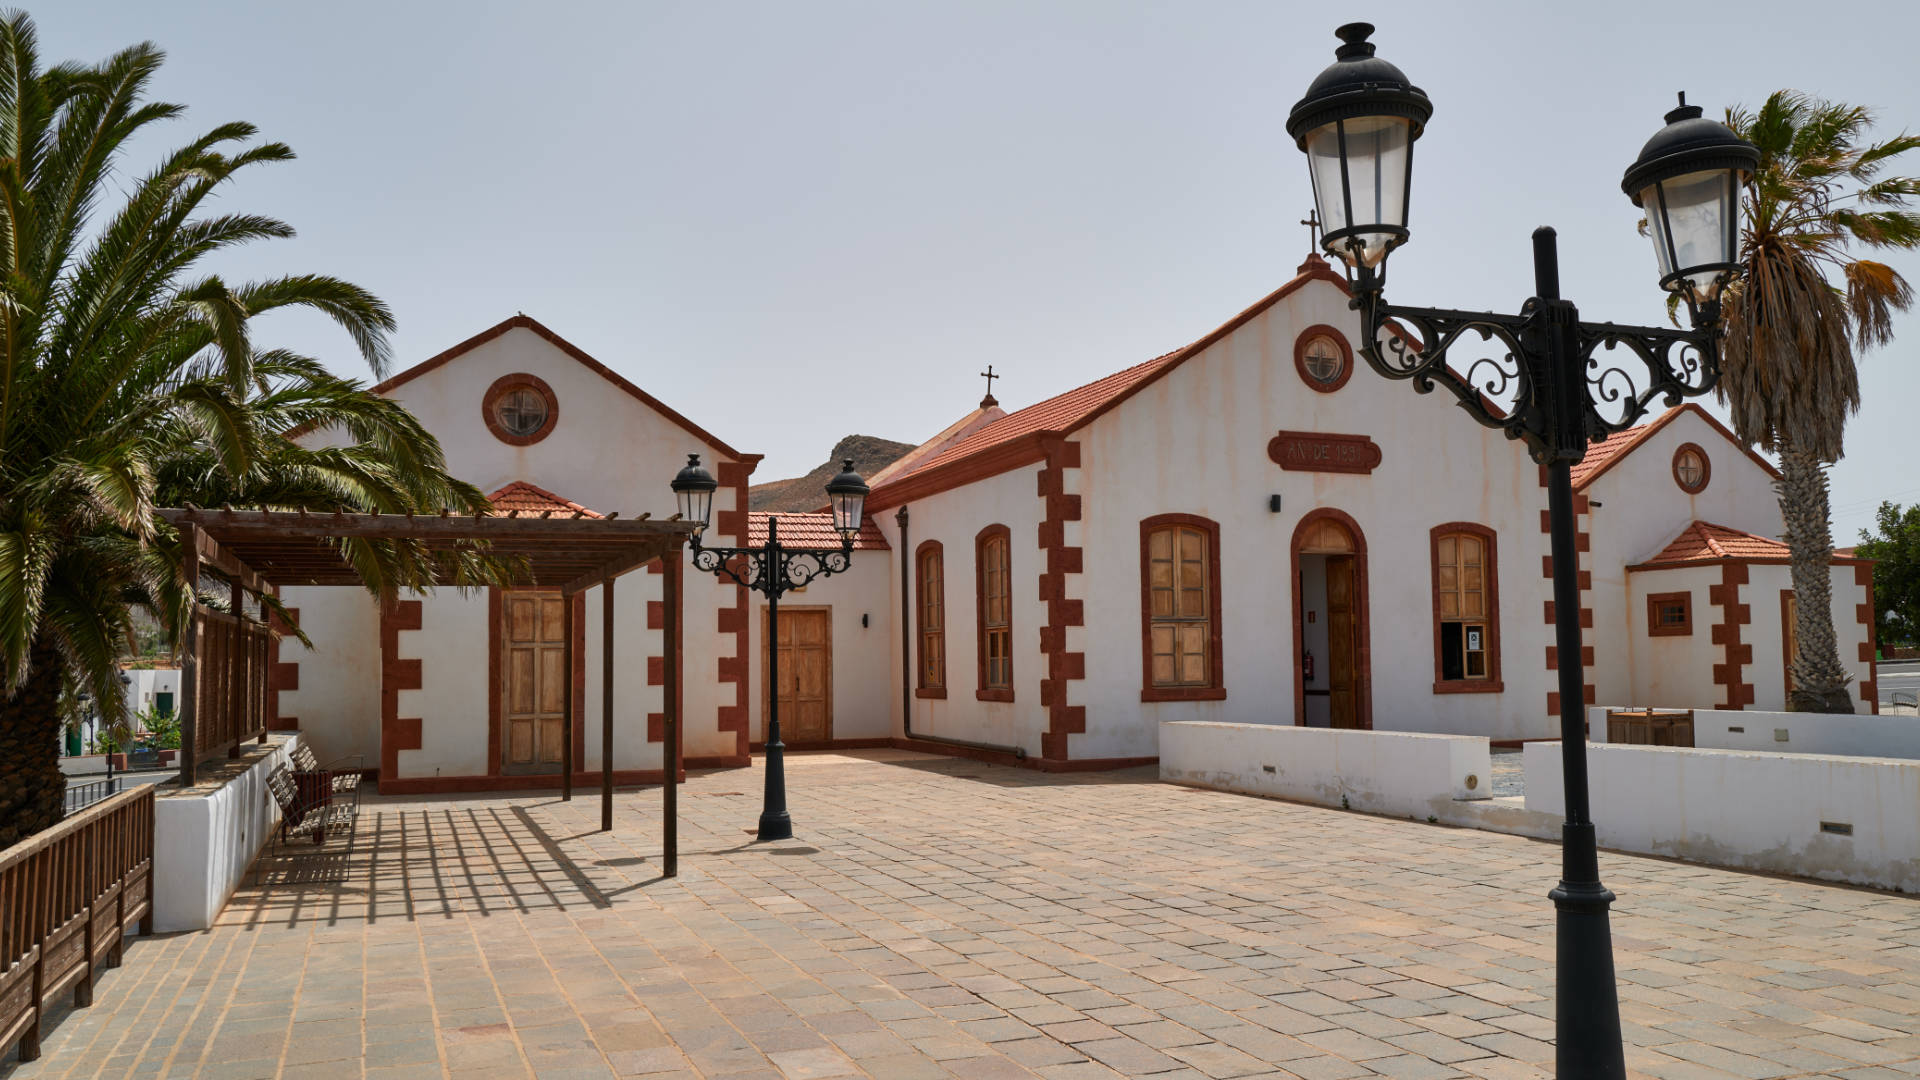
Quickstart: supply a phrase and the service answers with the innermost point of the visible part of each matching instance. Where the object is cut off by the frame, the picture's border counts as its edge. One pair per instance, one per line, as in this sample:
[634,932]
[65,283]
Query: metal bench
[305,816]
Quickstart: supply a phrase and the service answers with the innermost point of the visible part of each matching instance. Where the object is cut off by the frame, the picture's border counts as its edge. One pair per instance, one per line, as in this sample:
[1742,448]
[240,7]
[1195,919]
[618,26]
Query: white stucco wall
[204,839]
[864,693]
[1374,771]
[1641,508]
[338,702]
[1674,671]
[451,703]
[1759,811]
[147,682]
[1855,735]
[955,518]
[633,698]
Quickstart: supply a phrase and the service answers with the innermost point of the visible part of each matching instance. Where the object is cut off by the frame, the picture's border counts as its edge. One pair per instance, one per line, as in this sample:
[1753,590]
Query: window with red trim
[932,591]
[1180,609]
[1466,610]
[993,574]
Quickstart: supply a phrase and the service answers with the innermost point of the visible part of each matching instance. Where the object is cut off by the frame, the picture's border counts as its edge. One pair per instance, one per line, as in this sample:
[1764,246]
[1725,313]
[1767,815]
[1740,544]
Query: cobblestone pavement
[938,918]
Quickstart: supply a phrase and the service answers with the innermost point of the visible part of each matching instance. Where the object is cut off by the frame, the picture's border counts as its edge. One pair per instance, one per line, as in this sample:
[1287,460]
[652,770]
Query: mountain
[803,493]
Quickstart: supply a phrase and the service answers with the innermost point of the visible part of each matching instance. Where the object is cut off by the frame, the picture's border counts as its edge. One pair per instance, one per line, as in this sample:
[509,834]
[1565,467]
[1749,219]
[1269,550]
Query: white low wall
[204,838]
[1847,734]
[1380,772]
[1779,812]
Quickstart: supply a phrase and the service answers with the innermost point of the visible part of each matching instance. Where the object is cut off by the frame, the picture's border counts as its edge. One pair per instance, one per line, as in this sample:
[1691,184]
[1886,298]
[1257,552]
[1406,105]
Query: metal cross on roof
[1312,222]
[989,402]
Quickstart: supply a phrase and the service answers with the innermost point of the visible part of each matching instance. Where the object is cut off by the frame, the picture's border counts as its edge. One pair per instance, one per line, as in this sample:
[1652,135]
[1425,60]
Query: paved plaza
[944,918]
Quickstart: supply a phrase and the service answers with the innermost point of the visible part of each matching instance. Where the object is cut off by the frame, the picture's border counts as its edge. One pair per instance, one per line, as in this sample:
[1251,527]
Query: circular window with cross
[1323,358]
[520,409]
[1691,469]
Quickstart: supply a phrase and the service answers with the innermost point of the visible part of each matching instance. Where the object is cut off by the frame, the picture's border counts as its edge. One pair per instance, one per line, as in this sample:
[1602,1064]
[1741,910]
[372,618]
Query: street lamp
[772,569]
[1542,377]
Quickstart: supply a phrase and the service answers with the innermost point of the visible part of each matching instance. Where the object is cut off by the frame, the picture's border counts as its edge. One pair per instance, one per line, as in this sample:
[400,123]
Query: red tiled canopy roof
[1704,542]
[813,531]
[530,499]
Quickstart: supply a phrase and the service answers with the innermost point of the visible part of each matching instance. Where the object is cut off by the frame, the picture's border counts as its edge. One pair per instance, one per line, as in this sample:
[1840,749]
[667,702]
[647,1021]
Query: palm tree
[1801,308]
[128,382]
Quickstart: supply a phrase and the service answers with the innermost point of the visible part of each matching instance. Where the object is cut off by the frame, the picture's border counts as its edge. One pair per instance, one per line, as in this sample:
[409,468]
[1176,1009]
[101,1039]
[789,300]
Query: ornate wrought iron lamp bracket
[1501,368]
[773,568]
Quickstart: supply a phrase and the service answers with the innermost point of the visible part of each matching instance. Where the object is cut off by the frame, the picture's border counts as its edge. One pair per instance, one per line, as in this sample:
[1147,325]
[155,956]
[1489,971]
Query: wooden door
[806,675]
[1343,674]
[533,680]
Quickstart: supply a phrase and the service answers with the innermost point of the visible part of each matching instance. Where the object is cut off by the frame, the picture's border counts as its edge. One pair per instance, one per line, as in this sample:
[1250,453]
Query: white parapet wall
[205,837]
[1853,819]
[1847,734]
[1380,772]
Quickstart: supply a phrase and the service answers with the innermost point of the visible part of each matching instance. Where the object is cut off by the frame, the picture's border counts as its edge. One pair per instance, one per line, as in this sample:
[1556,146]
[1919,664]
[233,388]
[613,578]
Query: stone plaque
[1313,451]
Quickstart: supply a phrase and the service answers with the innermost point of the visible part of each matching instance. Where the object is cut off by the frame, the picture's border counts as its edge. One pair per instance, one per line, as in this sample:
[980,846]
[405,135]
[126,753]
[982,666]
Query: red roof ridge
[1617,446]
[528,322]
[520,495]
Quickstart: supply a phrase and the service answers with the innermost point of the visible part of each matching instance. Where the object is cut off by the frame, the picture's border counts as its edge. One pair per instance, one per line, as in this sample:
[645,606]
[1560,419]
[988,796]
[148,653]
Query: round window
[521,412]
[519,409]
[1323,358]
[1691,469]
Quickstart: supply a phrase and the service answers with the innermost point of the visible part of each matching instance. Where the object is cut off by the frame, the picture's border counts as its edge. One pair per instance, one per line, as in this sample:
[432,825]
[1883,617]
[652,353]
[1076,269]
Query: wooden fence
[229,703]
[67,896]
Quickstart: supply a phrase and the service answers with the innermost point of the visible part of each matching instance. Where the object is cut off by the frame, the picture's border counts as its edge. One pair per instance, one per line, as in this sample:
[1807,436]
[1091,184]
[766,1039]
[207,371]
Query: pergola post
[237,664]
[189,657]
[670,705]
[606,709]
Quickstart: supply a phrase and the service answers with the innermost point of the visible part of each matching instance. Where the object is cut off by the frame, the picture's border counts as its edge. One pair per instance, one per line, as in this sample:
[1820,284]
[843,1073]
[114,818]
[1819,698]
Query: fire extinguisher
[1306,665]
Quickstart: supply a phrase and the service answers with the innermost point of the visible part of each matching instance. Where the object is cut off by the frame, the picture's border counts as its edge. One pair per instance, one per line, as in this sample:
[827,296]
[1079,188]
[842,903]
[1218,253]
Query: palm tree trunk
[1819,680]
[32,787]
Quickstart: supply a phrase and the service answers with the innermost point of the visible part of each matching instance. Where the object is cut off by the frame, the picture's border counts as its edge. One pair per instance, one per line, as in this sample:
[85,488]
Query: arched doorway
[1332,668]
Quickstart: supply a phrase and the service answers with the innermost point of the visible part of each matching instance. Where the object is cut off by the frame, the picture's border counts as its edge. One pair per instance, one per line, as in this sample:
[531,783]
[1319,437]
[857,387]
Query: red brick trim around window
[1734,615]
[1655,601]
[397,733]
[1064,720]
[1300,357]
[1870,648]
[281,674]
[1363,629]
[1216,688]
[983,692]
[934,549]
[505,385]
[1491,684]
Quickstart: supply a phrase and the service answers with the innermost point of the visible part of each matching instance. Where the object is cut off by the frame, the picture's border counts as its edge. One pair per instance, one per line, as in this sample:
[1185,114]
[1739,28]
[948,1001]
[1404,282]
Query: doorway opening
[1332,668]
[806,676]
[531,639]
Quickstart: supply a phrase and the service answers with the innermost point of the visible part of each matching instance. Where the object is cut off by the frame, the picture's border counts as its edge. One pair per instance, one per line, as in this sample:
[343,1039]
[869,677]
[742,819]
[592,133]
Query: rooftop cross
[1312,222]
[989,402]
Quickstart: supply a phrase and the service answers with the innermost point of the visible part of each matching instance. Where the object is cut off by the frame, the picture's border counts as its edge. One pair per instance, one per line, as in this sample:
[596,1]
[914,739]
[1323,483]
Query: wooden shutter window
[993,569]
[1180,609]
[1466,620]
[932,621]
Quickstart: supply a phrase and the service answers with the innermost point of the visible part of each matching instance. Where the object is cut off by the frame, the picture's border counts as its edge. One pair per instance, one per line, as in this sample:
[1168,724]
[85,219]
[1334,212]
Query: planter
[117,762]
[167,756]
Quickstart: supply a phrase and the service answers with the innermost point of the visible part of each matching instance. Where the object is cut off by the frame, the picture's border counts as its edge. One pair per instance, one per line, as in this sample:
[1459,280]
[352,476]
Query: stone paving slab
[939,918]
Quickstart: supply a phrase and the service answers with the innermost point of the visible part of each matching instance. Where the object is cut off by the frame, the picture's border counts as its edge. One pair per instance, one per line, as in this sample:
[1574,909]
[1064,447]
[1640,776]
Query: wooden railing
[229,686]
[67,896]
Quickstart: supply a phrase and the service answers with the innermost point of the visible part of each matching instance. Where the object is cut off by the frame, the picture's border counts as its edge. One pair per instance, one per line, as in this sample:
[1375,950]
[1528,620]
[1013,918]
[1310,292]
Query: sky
[793,222]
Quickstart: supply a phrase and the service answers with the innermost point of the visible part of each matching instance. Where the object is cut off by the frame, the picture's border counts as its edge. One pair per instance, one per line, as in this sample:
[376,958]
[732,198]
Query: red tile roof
[1601,454]
[1063,412]
[529,499]
[1704,542]
[812,530]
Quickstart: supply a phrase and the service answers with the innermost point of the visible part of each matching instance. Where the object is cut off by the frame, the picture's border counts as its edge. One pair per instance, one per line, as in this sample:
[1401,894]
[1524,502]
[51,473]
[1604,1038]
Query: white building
[1244,529]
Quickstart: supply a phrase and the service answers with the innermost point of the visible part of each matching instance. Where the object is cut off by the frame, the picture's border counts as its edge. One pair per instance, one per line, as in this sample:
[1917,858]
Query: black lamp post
[1543,377]
[772,569]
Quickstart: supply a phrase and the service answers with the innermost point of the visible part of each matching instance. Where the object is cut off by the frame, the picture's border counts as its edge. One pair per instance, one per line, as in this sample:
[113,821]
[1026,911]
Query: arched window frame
[1491,682]
[982,631]
[1215,687]
[931,641]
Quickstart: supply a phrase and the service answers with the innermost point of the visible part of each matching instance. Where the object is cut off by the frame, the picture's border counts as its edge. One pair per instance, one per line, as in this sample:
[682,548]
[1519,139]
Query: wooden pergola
[223,674]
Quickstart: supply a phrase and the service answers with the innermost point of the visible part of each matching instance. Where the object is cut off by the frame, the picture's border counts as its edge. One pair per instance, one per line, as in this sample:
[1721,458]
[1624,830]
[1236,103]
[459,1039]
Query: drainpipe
[906,659]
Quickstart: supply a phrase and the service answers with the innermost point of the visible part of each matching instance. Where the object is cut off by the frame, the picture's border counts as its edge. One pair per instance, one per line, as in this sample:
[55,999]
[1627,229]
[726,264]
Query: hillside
[802,493]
